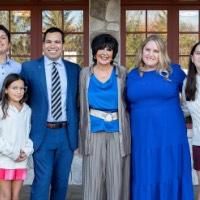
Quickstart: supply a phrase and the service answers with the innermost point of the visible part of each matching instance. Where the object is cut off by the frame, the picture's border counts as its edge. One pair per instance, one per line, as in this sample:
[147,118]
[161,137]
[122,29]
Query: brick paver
[74,192]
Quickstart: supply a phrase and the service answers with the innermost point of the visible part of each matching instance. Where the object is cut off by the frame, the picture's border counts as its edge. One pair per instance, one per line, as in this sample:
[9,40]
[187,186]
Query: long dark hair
[191,88]
[4,97]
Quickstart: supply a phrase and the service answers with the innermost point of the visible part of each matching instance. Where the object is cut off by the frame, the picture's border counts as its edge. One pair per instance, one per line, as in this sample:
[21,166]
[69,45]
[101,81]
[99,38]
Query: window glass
[156,21]
[18,22]
[73,44]
[188,34]
[188,21]
[135,20]
[71,22]
[133,42]
[130,62]
[20,44]
[51,18]
[4,18]
[139,25]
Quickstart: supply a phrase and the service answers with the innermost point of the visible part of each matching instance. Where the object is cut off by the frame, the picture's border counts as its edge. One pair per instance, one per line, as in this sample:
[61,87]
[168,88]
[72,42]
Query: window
[176,21]
[19,24]
[71,22]
[29,20]
[188,33]
[139,25]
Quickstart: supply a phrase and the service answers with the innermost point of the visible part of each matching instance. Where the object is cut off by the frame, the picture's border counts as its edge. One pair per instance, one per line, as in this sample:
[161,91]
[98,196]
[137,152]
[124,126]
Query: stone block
[112,27]
[98,8]
[113,11]
[96,24]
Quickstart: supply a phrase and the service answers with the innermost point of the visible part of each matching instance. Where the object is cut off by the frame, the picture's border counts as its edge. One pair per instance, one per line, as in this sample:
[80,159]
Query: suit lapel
[42,77]
[69,76]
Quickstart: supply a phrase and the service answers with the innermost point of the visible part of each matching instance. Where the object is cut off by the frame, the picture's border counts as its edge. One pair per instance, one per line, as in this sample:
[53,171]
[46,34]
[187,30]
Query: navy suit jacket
[34,73]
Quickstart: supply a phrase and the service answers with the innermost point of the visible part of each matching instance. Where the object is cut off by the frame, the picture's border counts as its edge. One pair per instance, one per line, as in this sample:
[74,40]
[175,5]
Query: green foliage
[4,15]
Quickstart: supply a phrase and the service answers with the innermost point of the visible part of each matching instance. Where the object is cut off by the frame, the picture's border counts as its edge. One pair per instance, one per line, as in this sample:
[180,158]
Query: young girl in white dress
[15,145]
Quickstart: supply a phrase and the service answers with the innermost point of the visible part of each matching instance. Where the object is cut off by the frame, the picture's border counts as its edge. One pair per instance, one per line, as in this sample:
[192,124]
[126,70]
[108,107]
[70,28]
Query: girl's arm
[28,148]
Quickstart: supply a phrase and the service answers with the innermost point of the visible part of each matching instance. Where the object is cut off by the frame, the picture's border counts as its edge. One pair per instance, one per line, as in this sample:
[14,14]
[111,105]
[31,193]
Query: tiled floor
[74,193]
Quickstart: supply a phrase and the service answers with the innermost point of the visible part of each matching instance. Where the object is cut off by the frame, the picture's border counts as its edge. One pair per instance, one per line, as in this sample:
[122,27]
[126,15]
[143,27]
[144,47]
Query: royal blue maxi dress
[161,168]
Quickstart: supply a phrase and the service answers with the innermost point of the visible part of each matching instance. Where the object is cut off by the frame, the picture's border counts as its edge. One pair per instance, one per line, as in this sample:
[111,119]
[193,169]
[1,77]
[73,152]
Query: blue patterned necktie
[56,106]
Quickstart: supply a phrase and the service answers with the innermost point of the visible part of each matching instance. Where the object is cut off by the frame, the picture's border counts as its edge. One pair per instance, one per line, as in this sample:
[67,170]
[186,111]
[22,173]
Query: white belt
[106,116]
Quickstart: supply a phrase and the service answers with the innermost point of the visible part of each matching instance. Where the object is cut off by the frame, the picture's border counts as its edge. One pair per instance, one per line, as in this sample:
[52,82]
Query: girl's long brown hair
[191,88]
[4,99]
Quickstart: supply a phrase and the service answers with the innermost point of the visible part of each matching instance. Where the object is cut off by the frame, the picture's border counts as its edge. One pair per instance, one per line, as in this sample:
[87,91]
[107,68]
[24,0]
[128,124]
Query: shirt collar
[49,62]
[7,61]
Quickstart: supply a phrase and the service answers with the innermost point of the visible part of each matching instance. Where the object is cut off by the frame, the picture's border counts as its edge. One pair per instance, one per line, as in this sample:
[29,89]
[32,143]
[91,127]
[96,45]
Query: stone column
[105,18]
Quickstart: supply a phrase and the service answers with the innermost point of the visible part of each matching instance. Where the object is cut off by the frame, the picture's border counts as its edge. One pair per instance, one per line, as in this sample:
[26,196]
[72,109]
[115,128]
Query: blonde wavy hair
[163,67]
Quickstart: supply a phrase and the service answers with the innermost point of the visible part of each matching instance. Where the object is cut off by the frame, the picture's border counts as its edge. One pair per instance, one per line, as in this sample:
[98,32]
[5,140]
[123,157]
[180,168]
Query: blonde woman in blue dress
[161,168]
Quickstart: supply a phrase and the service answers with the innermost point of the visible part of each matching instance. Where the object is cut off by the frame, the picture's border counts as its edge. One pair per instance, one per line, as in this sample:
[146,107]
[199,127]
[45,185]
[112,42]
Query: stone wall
[105,17]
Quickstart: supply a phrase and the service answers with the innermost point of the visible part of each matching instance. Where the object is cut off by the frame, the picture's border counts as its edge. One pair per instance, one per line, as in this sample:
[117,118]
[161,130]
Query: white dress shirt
[63,79]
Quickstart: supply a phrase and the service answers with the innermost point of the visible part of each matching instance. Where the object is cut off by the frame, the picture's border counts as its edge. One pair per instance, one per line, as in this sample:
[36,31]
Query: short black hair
[101,41]
[6,31]
[53,30]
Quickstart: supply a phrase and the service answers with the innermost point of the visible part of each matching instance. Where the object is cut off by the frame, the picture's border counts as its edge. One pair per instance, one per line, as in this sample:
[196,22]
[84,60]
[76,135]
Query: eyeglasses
[15,88]
[197,53]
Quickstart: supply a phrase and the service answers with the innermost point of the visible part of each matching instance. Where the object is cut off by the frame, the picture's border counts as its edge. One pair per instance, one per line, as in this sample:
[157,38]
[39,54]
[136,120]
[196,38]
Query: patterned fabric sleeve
[28,148]
[183,101]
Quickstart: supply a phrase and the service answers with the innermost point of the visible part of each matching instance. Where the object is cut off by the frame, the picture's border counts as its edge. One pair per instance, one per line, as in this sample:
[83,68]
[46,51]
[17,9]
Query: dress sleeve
[178,75]
[28,148]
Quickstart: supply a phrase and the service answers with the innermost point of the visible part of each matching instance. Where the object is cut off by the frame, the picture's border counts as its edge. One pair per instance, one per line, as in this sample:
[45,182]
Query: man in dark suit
[53,88]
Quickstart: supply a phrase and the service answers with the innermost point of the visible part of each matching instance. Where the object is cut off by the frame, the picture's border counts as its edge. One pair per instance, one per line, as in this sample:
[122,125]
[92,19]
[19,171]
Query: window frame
[173,9]
[36,7]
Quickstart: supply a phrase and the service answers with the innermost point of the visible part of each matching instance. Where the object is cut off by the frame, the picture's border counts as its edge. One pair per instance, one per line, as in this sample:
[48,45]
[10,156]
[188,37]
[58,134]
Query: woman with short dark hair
[104,124]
